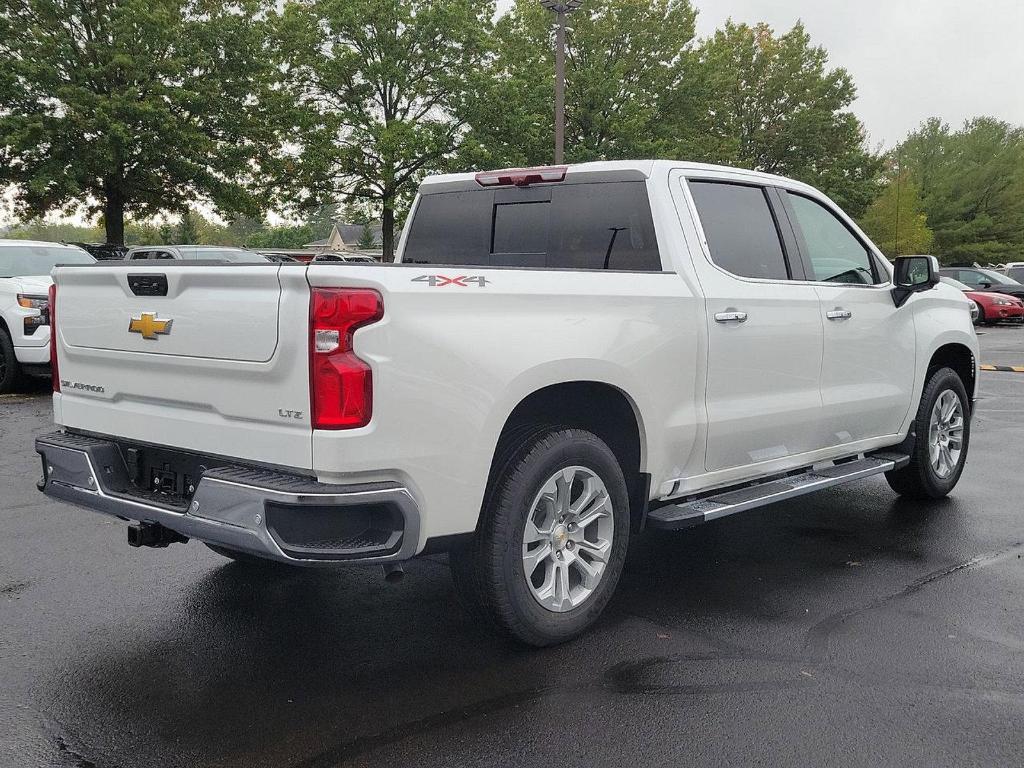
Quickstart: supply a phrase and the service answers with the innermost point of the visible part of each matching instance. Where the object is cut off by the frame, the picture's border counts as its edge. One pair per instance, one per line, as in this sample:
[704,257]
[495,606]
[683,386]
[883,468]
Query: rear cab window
[586,226]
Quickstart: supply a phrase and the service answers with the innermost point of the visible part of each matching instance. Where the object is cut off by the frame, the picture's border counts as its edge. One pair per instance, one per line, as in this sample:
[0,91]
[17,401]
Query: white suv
[24,305]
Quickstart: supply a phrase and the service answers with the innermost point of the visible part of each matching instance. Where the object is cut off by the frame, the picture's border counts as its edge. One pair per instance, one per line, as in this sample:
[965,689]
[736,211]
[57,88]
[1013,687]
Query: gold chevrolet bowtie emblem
[149,325]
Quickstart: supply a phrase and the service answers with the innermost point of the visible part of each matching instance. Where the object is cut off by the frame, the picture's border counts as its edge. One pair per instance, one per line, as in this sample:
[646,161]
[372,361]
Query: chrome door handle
[731,317]
[839,314]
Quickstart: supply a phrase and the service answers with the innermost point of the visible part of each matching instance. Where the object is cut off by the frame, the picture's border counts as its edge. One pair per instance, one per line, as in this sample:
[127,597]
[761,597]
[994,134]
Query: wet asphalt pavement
[847,628]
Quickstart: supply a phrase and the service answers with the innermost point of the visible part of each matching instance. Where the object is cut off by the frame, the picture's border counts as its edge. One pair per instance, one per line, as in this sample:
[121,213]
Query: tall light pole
[560,7]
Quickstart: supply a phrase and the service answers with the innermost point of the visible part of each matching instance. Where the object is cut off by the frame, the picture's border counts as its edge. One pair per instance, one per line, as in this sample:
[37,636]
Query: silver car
[194,253]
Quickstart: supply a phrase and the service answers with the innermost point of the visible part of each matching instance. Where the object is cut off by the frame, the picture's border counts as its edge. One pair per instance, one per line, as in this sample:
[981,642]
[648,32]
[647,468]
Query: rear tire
[552,537]
[943,429]
[981,314]
[10,370]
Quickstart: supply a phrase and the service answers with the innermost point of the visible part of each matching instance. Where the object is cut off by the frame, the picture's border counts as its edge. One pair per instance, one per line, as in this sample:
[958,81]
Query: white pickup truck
[560,358]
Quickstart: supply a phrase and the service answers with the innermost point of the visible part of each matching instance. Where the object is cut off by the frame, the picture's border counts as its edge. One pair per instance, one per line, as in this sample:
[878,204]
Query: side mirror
[985,284]
[914,274]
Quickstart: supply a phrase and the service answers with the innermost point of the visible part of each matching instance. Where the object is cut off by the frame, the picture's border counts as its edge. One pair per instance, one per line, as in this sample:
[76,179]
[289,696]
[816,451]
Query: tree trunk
[387,225]
[113,214]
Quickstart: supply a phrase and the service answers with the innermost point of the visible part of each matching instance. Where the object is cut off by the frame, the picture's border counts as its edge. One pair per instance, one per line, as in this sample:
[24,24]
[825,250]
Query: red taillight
[522,177]
[54,373]
[340,384]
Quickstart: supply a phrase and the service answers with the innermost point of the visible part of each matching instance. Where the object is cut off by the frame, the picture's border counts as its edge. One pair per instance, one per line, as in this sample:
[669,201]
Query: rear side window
[570,226]
[740,229]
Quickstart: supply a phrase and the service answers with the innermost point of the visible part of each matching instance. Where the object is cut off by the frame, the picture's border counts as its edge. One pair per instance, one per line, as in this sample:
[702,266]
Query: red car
[992,307]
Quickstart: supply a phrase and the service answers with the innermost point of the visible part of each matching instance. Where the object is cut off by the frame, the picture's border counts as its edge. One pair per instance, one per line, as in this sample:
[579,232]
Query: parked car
[25,267]
[990,307]
[103,251]
[981,279]
[194,253]
[348,258]
[1014,270]
[560,358]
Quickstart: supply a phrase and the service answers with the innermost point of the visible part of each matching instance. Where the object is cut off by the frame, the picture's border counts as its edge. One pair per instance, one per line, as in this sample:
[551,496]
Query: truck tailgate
[207,358]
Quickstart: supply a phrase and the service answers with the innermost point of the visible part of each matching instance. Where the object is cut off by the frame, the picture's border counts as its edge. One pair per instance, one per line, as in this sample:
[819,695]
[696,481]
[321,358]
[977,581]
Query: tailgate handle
[148,285]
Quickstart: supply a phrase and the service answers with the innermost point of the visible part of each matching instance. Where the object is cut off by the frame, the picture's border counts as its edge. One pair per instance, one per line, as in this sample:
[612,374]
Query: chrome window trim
[753,180]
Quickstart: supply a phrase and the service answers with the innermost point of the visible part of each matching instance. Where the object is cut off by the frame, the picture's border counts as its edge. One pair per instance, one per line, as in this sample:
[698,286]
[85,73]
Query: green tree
[896,221]
[240,228]
[366,238]
[188,231]
[972,186]
[322,217]
[283,236]
[629,89]
[37,229]
[164,234]
[133,106]
[777,107]
[378,84]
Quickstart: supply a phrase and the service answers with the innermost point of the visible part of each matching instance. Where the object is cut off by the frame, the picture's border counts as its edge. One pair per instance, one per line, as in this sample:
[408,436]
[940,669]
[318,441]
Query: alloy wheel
[568,538]
[946,434]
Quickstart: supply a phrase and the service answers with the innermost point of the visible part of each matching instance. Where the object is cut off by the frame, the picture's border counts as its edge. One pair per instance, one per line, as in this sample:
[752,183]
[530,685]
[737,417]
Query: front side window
[988,276]
[835,254]
[740,229]
[974,278]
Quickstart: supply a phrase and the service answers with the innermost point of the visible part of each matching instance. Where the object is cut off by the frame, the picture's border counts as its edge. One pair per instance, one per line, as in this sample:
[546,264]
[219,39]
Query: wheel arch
[598,407]
[960,358]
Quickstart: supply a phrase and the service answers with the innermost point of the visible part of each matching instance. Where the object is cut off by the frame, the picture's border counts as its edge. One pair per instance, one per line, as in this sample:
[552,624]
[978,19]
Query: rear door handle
[731,316]
[839,314]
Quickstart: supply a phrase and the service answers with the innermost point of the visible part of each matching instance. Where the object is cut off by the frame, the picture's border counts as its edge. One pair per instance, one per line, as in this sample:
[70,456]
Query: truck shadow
[274,665]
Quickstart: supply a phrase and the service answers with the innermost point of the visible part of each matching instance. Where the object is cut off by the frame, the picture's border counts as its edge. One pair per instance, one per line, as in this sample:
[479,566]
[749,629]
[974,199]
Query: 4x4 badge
[462,281]
[149,325]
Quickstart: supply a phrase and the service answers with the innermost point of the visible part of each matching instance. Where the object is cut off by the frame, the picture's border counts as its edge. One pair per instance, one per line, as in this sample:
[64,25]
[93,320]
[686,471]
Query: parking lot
[845,628]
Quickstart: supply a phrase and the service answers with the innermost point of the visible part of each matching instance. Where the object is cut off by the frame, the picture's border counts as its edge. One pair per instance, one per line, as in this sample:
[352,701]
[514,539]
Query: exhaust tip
[393,573]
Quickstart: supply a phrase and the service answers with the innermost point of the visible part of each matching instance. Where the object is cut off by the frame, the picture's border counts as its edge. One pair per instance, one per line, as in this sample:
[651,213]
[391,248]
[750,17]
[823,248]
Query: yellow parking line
[1006,368]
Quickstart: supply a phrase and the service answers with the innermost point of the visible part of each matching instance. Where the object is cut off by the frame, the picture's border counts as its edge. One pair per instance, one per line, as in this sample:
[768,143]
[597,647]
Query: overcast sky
[910,59]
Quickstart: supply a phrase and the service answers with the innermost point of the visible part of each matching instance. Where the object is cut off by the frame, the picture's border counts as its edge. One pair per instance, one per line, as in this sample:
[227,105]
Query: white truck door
[765,329]
[867,374]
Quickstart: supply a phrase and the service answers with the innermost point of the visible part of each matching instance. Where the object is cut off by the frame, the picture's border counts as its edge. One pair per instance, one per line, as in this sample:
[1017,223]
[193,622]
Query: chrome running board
[730,501]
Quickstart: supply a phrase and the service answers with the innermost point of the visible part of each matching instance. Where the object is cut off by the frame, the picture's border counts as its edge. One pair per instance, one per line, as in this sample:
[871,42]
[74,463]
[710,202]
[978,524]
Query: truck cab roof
[609,170]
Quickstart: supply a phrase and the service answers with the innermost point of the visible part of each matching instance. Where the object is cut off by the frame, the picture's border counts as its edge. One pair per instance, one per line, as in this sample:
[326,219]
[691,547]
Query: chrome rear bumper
[272,514]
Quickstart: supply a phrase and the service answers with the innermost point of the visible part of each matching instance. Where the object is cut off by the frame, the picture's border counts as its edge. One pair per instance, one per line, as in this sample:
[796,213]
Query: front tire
[943,429]
[10,371]
[552,538]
